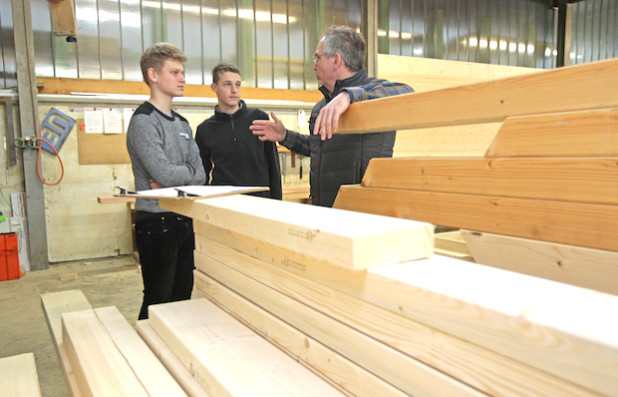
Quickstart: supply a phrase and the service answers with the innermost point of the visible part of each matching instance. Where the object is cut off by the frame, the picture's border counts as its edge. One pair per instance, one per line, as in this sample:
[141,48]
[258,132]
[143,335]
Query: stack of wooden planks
[543,200]
[435,326]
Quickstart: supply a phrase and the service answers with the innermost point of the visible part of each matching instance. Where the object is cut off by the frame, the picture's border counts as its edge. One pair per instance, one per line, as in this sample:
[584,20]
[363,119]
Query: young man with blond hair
[163,154]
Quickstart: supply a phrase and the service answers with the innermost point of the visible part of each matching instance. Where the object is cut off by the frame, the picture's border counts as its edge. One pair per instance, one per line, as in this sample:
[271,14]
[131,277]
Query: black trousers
[165,243]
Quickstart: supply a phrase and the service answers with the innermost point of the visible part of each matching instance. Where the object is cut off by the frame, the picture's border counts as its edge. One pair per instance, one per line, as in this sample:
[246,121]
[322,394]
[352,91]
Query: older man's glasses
[316,58]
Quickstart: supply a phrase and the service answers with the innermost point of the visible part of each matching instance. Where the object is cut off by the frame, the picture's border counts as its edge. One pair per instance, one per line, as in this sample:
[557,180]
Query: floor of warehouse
[23,328]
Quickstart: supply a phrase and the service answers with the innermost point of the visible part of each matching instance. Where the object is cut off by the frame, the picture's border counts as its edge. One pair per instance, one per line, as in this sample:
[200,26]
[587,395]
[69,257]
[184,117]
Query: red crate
[9,256]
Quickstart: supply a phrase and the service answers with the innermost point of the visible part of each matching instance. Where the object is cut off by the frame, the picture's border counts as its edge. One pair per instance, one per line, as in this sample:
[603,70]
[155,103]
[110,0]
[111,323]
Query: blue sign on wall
[55,129]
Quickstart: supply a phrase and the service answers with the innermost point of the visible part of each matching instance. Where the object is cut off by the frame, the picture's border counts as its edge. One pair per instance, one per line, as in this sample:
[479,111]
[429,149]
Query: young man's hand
[267,130]
[328,119]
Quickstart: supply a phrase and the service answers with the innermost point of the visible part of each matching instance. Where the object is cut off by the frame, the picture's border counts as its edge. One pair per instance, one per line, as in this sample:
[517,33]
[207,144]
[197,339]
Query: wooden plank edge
[175,367]
[570,264]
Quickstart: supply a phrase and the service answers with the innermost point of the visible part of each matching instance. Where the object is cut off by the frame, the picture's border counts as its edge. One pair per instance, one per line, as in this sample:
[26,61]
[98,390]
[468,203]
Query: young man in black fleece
[163,154]
[231,154]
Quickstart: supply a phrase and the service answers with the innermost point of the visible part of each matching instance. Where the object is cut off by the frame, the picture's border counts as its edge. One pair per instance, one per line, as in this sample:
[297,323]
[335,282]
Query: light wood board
[584,267]
[169,359]
[491,101]
[353,240]
[100,369]
[54,304]
[487,371]
[226,357]
[584,133]
[151,373]
[588,225]
[546,324]
[18,376]
[343,372]
[591,180]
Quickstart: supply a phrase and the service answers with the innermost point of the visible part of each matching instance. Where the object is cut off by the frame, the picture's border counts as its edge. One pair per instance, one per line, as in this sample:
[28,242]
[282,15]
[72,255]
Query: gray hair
[348,43]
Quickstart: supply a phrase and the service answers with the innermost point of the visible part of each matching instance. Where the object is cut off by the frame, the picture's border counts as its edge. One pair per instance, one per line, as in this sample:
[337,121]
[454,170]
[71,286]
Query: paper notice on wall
[127,114]
[93,121]
[112,121]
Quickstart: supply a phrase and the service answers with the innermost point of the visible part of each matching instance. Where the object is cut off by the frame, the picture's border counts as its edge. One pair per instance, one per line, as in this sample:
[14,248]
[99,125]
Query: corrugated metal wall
[272,40]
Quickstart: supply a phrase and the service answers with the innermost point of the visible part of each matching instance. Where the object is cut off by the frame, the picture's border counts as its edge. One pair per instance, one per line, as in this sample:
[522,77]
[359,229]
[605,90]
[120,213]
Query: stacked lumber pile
[543,200]
[435,326]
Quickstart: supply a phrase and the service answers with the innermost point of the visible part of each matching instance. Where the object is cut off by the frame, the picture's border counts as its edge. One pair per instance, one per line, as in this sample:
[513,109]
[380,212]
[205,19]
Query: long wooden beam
[432,292]
[588,180]
[100,369]
[579,87]
[66,86]
[151,373]
[54,304]
[576,134]
[182,375]
[490,372]
[587,225]
[353,240]
[307,350]
[585,267]
[228,358]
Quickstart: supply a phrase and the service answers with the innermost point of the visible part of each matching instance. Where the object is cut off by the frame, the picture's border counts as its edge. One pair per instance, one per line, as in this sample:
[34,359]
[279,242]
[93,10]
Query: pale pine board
[396,368]
[594,84]
[489,372]
[546,324]
[589,180]
[169,359]
[590,133]
[584,224]
[151,373]
[353,240]
[341,371]
[584,267]
[226,357]
[54,304]
[18,376]
[100,369]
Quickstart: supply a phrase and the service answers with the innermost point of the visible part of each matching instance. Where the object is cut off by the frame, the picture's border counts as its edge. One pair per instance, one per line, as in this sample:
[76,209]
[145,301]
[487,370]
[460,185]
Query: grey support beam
[29,121]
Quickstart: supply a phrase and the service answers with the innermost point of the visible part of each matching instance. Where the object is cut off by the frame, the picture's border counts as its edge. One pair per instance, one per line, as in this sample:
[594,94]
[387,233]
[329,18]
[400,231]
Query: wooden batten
[593,84]
[586,180]
[483,369]
[151,373]
[100,369]
[54,304]
[565,222]
[588,133]
[584,267]
[343,372]
[226,357]
[182,375]
[66,86]
[353,240]
[18,376]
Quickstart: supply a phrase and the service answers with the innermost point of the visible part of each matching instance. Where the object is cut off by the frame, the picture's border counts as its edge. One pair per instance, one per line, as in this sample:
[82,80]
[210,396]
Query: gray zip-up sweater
[162,148]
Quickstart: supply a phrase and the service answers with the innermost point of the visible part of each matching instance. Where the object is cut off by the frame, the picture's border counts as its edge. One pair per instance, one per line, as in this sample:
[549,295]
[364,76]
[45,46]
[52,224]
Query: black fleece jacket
[232,155]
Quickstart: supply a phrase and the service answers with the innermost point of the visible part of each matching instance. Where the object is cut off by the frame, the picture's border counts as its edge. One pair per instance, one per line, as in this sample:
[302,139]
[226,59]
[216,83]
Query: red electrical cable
[38,162]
